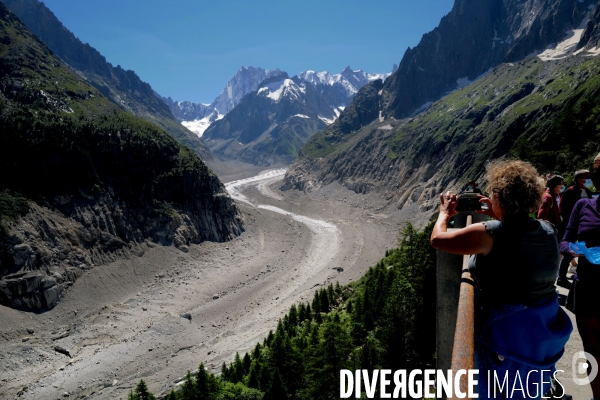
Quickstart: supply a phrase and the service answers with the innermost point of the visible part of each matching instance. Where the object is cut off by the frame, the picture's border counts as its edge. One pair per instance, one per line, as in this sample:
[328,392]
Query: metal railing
[456,309]
[463,350]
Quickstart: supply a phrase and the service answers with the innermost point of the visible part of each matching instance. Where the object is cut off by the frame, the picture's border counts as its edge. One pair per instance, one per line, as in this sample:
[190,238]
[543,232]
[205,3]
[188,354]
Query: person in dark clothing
[472,186]
[549,210]
[519,325]
[584,225]
[569,197]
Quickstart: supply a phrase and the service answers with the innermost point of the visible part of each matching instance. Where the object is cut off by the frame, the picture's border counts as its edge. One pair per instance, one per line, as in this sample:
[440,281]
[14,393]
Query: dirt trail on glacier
[123,321]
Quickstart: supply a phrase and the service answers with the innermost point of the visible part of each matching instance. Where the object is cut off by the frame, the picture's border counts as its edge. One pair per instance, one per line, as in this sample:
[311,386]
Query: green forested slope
[122,87]
[547,113]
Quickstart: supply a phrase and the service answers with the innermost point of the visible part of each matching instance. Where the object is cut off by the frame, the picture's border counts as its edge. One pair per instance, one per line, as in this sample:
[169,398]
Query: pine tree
[172,395]
[275,390]
[301,312]
[237,370]
[256,351]
[202,383]
[324,298]
[189,390]
[338,288]
[331,355]
[293,316]
[308,312]
[318,318]
[224,371]
[316,302]
[254,376]
[142,392]
[246,363]
[330,294]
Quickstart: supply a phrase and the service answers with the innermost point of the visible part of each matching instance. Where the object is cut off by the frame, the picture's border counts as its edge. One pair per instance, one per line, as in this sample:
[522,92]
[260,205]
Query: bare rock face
[474,37]
[591,34]
[48,249]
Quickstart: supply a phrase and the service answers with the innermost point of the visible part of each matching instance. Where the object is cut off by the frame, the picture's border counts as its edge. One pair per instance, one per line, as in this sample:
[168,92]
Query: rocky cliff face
[340,89]
[86,182]
[122,87]
[474,37]
[591,34]
[54,244]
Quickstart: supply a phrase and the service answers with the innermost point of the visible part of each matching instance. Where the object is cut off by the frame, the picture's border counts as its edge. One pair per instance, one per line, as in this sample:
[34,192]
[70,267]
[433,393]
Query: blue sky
[189,49]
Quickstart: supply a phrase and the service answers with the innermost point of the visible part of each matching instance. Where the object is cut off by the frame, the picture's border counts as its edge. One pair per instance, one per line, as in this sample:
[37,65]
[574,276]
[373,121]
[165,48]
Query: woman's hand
[448,204]
[489,212]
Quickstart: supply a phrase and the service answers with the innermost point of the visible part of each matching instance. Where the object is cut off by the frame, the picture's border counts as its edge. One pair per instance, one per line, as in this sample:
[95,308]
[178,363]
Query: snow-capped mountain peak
[349,80]
[284,88]
[246,80]
[338,89]
[316,78]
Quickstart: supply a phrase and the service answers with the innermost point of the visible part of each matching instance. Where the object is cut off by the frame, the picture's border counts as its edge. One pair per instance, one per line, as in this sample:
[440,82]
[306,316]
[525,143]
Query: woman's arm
[473,239]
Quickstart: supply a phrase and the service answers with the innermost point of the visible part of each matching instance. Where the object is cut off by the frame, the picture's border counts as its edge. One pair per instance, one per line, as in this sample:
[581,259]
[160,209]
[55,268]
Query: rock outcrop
[51,246]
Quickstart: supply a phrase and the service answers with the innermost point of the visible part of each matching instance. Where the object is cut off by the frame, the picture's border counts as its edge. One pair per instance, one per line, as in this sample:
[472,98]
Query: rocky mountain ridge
[338,89]
[270,125]
[198,117]
[540,109]
[86,182]
[123,87]
[473,38]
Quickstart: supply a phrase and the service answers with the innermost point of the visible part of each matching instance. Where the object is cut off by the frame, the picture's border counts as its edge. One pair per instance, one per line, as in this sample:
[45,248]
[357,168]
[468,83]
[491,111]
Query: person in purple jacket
[584,225]
[569,198]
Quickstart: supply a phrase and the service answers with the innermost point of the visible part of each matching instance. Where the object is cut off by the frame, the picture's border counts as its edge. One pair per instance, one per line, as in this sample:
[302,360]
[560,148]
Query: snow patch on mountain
[350,80]
[568,46]
[199,126]
[286,88]
[327,120]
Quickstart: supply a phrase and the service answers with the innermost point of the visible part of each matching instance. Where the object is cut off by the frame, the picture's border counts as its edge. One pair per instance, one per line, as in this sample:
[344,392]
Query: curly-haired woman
[584,225]
[519,326]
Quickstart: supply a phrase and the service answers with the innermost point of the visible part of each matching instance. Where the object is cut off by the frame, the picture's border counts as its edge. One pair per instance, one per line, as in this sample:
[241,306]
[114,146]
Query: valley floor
[123,322]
